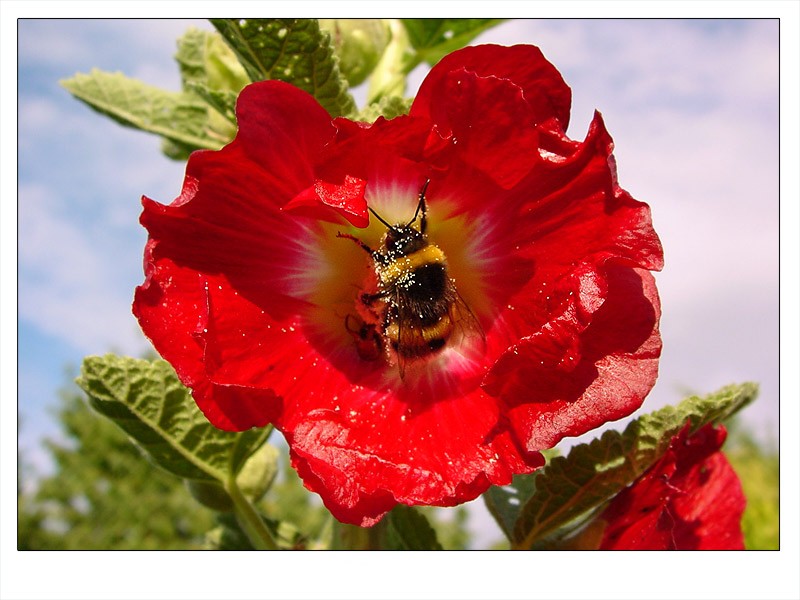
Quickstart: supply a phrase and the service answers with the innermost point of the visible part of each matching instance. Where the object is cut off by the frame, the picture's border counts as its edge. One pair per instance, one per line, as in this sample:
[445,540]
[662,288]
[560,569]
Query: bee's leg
[354,330]
[368,299]
[376,256]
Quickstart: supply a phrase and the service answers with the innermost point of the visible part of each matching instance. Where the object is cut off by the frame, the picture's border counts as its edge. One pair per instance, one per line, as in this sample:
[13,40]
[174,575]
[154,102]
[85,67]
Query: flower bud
[210,494]
[359,44]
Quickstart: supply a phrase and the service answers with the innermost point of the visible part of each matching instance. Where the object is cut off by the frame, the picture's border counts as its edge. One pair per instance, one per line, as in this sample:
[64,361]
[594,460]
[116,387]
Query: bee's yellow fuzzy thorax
[405,265]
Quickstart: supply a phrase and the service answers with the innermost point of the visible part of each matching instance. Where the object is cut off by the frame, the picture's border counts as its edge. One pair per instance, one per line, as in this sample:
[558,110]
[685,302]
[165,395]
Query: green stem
[249,519]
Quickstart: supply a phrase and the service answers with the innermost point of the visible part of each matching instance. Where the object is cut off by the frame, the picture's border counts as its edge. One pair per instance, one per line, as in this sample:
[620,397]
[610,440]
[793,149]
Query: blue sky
[692,106]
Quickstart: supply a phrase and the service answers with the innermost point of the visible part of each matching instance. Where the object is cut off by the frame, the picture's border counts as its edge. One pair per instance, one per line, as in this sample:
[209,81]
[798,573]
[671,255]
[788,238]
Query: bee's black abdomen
[436,344]
[427,283]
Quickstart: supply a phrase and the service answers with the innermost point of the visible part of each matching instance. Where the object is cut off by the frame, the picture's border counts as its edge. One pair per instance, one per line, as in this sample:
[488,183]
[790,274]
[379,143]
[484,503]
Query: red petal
[583,369]
[445,454]
[172,308]
[346,199]
[574,195]
[281,130]
[228,219]
[525,66]
[488,123]
[690,500]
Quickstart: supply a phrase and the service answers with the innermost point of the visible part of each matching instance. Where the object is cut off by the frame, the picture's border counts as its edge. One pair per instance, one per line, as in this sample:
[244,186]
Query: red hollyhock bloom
[691,499]
[404,368]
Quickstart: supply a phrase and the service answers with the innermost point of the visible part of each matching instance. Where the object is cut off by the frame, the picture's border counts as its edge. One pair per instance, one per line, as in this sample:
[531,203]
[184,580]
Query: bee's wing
[409,333]
[467,329]
[411,343]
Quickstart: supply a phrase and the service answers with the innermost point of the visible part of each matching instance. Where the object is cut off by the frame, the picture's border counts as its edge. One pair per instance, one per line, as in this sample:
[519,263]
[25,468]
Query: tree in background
[103,494]
[756,463]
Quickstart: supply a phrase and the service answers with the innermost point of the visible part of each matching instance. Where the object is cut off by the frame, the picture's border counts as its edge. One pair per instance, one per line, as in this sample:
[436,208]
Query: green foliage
[205,59]
[757,467]
[570,487]
[450,525]
[292,50]
[229,535]
[405,528]
[103,495]
[211,73]
[359,44]
[388,79]
[388,107]
[434,38]
[178,117]
[288,501]
[505,502]
[414,41]
[149,403]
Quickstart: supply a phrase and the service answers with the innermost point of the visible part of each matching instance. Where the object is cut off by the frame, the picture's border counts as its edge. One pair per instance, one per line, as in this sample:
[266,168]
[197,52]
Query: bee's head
[402,240]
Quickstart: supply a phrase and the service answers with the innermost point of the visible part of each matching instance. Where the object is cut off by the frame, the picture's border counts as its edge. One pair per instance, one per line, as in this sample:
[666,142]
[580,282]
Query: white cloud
[64,280]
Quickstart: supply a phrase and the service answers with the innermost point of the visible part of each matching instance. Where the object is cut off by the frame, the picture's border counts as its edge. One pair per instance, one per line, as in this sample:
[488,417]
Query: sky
[691,104]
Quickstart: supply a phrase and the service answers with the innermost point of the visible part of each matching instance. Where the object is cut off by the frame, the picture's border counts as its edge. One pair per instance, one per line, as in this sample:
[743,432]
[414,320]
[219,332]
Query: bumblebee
[418,311]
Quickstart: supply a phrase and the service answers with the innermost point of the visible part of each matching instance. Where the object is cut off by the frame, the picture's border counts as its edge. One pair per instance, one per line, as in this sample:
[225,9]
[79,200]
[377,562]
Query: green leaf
[210,494]
[291,50]
[148,402]
[179,117]
[388,107]
[344,536]
[505,503]
[408,529]
[590,474]
[433,38]
[222,101]
[191,56]
[229,535]
[211,72]
[204,58]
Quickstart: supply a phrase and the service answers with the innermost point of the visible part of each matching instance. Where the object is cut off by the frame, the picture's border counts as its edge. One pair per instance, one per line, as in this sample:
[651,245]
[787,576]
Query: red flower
[691,499]
[390,383]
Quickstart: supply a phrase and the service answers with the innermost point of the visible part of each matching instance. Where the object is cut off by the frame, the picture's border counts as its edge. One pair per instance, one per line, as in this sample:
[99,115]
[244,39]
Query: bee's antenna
[381,219]
[421,205]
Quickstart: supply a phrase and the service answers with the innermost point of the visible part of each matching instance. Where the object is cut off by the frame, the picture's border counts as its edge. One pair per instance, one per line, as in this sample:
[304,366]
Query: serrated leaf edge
[127,118]
[743,395]
[171,441]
